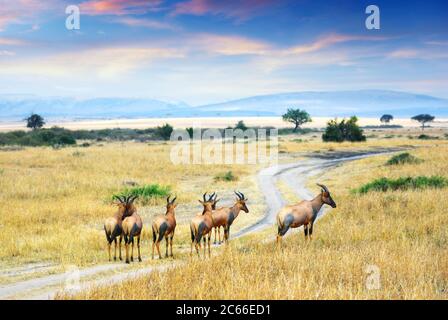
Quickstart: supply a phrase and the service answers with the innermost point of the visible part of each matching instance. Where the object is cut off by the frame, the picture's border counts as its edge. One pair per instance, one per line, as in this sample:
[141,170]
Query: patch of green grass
[147,193]
[426,137]
[228,176]
[404,183]
[403,158]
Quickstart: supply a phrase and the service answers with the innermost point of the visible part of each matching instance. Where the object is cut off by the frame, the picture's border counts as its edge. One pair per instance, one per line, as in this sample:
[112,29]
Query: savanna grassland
[54,202]
[379,245]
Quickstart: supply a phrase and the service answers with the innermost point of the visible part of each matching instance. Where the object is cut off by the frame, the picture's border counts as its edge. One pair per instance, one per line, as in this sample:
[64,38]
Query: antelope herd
[127,224]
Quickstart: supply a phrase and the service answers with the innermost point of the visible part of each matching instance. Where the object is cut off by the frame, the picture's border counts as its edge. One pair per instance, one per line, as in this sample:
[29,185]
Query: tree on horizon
[297,117]
[35,121]
[423,119]
[386,118]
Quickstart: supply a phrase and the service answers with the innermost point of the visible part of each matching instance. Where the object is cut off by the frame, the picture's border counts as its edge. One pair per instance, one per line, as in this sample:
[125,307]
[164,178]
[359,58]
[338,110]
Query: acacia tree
[35,121]
[423,119]
[297,117]
[386,118]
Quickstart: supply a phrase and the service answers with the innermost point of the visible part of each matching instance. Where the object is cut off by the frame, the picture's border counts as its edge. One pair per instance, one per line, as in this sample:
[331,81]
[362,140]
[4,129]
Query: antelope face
[326,198]
[243,205]
[208,205]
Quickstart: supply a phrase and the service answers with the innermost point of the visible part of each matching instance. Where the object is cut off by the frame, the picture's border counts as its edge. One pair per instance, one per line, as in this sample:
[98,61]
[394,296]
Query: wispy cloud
[105,63]
[328,41]
[145,23]
[11,42]
[119,7]
[240,10]
[228,45]
[22,11]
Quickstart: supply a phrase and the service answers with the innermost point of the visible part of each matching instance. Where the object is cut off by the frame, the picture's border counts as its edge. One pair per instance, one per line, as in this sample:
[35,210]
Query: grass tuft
[403,158]
[404,183]
[147,193]
[228,176]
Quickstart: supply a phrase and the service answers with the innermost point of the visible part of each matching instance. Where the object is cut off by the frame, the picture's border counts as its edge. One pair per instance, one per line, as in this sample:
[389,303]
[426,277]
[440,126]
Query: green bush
[426,137]
[164,131]
[147,193]
[346,130]
[403,158]
[228,176]
[38,137]
[404,183]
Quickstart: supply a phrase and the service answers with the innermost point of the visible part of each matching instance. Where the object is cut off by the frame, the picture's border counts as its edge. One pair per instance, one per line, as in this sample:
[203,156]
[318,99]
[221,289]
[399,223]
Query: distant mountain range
[364,103]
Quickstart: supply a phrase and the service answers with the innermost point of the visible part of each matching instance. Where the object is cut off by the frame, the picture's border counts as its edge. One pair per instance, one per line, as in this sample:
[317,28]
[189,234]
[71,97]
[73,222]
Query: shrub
[346,130]
[404,183]
[147,193]
[228,176]
[41,137]
[426,137]
[164,132]
[403,158]
[241,125]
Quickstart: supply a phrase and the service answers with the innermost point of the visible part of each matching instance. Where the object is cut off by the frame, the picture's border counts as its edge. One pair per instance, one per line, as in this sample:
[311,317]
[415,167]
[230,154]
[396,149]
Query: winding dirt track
[295,175]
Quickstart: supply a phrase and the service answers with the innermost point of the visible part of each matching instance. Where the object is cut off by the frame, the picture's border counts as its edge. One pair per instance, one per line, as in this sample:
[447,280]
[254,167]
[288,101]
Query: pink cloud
[118,7]
[21,11]
[241,10]
[330,40]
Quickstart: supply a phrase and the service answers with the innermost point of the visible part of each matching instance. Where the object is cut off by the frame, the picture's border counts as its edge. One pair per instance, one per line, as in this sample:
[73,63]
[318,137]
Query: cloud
[145,23]
[421,53]
[228,45]
[328,41]
[240,10]
[118,7]
[11,42]
[105,63]
[22,11]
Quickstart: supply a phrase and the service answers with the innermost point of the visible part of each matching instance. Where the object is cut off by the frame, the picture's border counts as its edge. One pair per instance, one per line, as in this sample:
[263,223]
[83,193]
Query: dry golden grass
[402,234]
[54,202]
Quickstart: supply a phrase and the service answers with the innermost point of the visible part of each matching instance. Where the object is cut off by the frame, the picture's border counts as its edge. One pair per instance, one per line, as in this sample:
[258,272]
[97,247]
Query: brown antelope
[303,214]
[132,228]
[201,226]
[224,217]
[113,225]
[164,227]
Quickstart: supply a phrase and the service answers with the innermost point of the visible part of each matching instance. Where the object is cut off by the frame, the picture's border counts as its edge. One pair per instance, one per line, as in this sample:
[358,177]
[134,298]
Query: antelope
[224,217]
[113,225]
[132,228]
[201,226]
[303,213]
[164,226]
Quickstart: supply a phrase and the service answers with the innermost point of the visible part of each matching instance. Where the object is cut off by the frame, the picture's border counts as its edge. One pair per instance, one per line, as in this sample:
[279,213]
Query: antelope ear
[202,202]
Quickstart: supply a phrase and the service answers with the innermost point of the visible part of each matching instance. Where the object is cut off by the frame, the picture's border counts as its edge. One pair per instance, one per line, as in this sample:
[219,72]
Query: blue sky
[206,51]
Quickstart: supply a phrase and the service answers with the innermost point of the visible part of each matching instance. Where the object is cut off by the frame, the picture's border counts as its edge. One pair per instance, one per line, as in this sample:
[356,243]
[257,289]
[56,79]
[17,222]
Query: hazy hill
[371,103]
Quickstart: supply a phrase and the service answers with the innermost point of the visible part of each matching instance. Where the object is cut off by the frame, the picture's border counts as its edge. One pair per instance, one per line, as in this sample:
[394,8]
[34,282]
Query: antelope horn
[132,199]
[323,187]
[203,197]
[168,199]
[239,196]
[242,196]
[211,197]
[115,197]
[172,201]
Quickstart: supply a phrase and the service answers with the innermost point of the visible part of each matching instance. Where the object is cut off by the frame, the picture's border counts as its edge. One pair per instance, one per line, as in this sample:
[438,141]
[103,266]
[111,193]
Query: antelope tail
[154,232]
[108,236]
